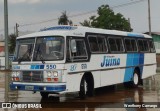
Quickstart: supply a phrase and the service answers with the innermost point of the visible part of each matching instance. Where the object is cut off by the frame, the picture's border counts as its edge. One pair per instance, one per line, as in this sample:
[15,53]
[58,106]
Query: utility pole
[6,33]
[17,25]
[6,48]
[149,17]
[129,24]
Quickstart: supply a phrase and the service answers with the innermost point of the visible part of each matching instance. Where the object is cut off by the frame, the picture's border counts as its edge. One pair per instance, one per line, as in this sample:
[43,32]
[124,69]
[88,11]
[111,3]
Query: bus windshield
[25,49]
[43,49]
[49,48]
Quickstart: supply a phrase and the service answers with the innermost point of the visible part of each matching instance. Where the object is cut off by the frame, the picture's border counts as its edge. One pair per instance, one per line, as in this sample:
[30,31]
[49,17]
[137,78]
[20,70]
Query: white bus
[79,59]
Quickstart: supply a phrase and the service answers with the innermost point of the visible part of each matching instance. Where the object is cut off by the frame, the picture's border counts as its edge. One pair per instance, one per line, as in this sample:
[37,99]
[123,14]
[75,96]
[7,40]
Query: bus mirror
[73,46]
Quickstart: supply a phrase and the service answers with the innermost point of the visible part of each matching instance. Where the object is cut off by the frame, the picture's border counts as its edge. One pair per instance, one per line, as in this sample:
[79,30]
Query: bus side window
[146,47]
[128,45]
[116,44]
[102,44]
[134,46]
[140,45]
[81,51]
[112,44]
[119,44]
[151,45]
[68,51]
[143,45]
[93,44]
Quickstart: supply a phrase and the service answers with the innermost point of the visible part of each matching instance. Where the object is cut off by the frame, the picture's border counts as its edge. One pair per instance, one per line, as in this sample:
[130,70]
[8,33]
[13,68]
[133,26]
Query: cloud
[24,1]
[37,1]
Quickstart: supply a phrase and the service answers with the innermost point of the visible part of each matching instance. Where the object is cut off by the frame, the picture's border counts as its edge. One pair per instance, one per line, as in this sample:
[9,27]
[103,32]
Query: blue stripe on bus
[135,35]
[141,61]
[54,88]
[133,60]
[37,67]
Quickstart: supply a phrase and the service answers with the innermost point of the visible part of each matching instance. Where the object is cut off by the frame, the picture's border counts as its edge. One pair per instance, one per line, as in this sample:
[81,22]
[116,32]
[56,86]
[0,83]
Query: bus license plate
[29,87]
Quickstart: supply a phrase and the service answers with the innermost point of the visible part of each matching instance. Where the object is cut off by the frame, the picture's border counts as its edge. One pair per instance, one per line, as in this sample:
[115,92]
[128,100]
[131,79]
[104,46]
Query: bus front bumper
[42,87]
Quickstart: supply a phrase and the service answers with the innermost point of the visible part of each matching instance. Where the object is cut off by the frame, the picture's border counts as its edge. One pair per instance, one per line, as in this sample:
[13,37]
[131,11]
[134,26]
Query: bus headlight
[49,74]
[16,76]
[52,74]
[55,74]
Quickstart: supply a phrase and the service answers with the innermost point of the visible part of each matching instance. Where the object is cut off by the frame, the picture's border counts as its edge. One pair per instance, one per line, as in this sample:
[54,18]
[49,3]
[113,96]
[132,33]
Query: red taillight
[49,79]
[15,79]
[52,79]
[55,79]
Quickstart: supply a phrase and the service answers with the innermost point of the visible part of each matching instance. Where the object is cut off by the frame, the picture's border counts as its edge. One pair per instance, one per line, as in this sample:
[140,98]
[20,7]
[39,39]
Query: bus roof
[65,30]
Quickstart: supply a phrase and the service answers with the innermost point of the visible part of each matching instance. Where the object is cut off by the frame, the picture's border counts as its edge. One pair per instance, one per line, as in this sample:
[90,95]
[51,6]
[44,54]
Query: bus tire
[86,87]
[135,80]
[44,94]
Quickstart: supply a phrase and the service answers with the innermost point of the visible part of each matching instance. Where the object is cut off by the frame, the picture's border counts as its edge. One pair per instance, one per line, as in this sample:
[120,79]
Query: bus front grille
[32,76]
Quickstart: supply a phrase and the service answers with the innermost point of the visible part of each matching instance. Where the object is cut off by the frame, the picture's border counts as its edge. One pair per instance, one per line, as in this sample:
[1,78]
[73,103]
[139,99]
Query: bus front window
[25,49]
[48,49]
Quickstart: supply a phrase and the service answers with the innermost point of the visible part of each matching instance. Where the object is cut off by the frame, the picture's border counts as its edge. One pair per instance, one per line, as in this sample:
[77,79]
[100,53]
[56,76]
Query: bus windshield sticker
[73,67]
[49,38]
[84,66]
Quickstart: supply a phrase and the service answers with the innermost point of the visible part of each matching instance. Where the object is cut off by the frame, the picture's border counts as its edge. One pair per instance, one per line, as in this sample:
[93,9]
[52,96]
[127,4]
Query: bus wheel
[86,87]
[135,80]
[44,94]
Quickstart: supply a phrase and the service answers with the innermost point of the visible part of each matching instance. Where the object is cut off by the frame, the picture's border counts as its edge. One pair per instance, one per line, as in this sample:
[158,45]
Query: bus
[64,59]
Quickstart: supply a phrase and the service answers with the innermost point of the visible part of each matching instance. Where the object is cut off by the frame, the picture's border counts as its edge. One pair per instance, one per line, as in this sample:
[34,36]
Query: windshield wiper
[22,58]
[39,53]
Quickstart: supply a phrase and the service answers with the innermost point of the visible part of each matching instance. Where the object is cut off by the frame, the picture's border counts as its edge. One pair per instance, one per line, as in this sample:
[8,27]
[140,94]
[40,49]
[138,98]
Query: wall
[156,39]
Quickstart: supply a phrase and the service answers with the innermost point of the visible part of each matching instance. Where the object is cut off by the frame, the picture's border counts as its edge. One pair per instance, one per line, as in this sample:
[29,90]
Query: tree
[107,19]
[86,23]
[12,43]
[63,20]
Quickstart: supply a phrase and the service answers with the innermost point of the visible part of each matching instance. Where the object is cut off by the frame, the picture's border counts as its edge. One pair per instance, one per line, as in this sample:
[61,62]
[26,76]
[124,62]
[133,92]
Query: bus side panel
[111,77]
[73,82]
[149,70]
[133,60]
[97,78]
[112,72]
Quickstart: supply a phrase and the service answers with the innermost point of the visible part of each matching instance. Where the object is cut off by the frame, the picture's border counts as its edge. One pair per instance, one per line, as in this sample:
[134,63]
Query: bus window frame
[130,40]
[115,37]
[97,36]
[50,36]
[151,40]
[70,53]
[143,44]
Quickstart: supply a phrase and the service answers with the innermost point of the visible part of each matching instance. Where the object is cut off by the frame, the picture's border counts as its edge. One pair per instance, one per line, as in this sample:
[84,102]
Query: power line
[85,13]
[127,4]
[76,15]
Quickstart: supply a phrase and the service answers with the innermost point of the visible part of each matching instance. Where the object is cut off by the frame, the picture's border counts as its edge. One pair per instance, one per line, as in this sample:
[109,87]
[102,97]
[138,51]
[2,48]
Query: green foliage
[107,19]
[86,23]
[12,43]
[63,20]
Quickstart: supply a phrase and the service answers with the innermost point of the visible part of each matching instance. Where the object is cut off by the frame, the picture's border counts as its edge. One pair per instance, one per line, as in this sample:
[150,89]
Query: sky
[29,12]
